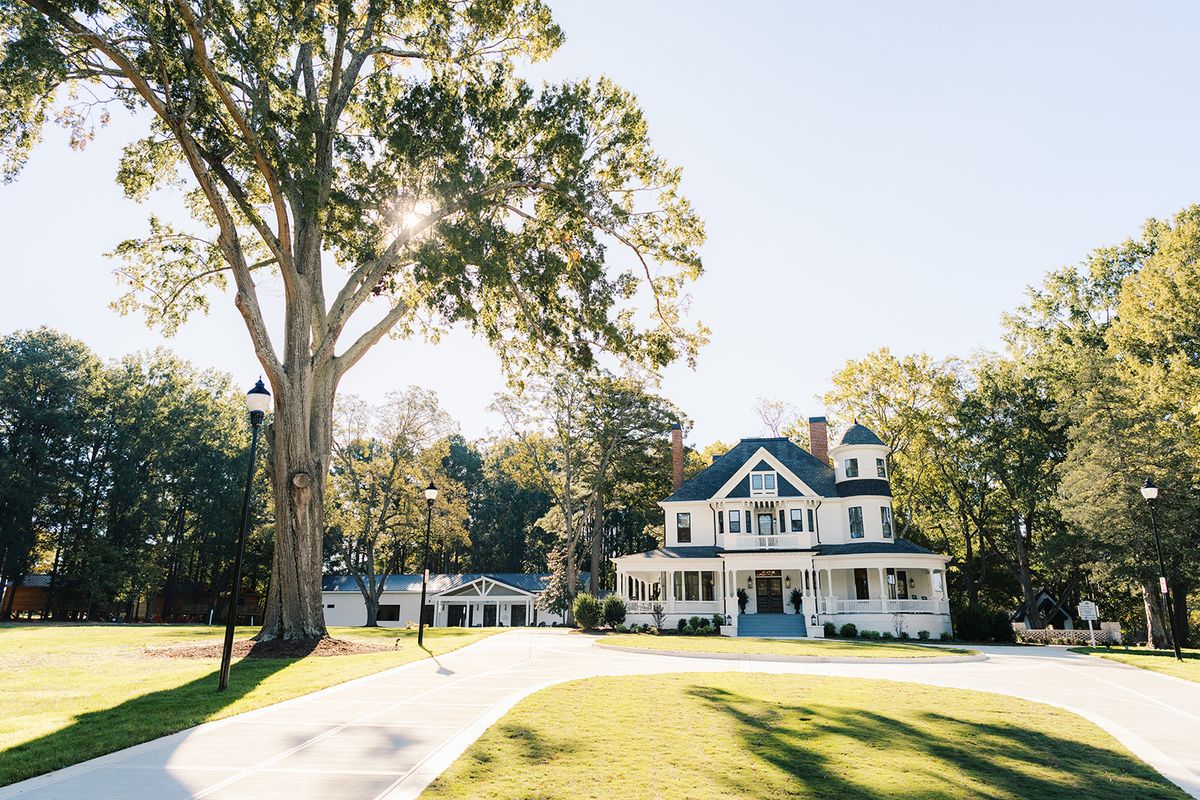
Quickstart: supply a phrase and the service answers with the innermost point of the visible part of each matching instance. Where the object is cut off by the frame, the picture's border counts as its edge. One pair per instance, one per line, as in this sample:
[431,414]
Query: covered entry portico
[484,603]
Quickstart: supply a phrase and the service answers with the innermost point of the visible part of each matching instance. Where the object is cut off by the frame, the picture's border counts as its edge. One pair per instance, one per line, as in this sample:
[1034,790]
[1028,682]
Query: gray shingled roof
[679,552]
[900,546]
[528,582]
[860,434]
[802,463]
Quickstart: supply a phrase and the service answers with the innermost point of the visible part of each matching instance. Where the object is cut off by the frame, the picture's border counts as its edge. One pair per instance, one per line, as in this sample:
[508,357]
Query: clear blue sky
[871,174]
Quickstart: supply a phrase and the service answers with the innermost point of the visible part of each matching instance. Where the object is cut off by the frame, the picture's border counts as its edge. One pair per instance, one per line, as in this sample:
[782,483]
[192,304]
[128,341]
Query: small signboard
[1088,610]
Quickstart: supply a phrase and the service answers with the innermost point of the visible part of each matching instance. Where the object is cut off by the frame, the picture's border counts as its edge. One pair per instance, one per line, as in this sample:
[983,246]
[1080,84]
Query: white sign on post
[1091,612]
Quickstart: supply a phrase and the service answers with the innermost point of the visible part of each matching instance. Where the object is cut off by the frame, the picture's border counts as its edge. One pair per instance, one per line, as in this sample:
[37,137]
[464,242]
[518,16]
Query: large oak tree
[391,138]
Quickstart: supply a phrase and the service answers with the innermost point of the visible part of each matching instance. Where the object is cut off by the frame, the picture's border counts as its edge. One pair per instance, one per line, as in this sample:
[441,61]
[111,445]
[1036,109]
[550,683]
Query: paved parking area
[388,735]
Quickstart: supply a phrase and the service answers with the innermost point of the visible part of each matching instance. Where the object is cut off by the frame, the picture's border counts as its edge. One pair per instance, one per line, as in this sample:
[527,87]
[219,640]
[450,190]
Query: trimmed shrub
[717,622]
[613,610]
[682,625]
[923,635]
[904,635]
[887,635]
[870,635]
[587,612]
[848,631]
[696,623]
[830,630]
[619,628]
[945,636]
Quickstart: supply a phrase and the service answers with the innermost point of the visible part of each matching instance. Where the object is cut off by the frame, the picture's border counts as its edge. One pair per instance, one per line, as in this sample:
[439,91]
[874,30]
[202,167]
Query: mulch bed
[248,648]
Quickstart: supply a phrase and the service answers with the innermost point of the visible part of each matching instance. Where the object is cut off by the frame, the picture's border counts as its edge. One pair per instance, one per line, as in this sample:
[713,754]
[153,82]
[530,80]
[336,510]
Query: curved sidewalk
[388,735]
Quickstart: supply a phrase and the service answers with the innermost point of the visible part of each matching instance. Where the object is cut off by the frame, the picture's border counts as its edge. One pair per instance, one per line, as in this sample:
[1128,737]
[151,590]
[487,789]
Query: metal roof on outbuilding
[525,581]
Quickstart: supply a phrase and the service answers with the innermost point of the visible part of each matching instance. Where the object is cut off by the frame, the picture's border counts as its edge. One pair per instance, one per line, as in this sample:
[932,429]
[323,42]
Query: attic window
[762,484]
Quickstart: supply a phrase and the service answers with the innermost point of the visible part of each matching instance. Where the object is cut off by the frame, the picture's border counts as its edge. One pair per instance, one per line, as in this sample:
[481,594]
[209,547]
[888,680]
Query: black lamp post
[430,496]
[258,400]
[1150,492]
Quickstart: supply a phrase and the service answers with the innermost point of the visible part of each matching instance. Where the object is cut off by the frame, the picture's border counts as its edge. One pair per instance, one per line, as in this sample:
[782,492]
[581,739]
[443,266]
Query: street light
[430,496]
[258,401]
[1150,492]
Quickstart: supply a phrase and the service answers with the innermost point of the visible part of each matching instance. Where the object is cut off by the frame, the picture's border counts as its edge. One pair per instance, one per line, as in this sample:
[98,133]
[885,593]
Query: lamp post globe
[431,493]
[258,403]
[1150,492]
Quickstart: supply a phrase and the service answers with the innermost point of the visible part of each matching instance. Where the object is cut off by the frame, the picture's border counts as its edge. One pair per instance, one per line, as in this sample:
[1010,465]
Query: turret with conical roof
[861,472]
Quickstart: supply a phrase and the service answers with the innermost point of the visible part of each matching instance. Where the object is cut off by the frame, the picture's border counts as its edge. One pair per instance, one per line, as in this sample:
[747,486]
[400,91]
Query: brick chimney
[676,457]
[818,438]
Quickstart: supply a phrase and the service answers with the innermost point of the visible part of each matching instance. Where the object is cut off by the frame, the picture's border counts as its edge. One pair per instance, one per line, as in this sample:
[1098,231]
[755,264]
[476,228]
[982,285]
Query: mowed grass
[785,647]
[727,736]
[72,692]
[1163,661]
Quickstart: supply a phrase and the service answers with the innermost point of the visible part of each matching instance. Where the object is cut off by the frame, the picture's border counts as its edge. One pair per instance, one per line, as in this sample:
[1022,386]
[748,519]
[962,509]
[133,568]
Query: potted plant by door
[743,598]
[796,600]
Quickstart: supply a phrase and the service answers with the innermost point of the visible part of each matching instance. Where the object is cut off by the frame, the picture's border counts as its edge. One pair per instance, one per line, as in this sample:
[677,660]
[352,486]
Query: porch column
[883,593]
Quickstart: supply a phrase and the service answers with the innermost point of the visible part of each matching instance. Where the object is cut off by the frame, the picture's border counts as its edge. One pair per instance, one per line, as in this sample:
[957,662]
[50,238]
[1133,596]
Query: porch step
[772,625]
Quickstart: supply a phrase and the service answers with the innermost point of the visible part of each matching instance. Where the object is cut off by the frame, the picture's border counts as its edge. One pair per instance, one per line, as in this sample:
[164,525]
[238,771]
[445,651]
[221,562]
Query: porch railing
[673,607]
[642,606]
[836,605]
[735,541]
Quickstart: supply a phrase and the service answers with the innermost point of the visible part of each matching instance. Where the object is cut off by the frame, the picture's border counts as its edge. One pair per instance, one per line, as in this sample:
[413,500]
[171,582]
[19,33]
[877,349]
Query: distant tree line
[119,481]
[1025,466]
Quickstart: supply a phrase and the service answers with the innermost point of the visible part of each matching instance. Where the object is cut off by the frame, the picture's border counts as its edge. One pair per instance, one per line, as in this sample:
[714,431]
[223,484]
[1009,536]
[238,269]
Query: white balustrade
[836,605]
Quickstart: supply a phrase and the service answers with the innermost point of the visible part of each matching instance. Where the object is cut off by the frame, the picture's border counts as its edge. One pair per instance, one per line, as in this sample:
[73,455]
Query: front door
[766,524]
[489,615]
[768,597]
[517,616]
[456,616]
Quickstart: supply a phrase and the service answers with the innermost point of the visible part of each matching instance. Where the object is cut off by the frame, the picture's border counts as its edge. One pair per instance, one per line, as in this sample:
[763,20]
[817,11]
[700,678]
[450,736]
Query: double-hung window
[797,519]
[851,467]
[885,516]
[683,527]
[856,522]
[693,586]
[762,484]
[735,521]
[881,467]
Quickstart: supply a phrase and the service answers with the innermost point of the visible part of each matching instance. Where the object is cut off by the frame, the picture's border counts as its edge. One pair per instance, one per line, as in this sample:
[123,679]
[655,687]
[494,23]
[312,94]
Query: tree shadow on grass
[137,720]
[833,751]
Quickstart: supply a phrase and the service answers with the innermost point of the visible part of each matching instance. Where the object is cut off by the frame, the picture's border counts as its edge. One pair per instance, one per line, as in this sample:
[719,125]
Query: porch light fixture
[813,620]
[749,581]
[728,620]
[787,581]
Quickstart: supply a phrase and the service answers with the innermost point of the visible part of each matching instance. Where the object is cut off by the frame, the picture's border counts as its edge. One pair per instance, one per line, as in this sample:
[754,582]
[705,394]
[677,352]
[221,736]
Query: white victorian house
[769,517]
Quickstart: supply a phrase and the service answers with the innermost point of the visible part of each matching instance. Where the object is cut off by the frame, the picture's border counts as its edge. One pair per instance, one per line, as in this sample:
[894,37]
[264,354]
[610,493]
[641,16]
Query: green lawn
[728,736]
[72,692]
[1163,661]
[789,647]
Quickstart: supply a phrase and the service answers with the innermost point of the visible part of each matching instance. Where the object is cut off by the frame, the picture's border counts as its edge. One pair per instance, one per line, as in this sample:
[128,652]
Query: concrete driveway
[388,735]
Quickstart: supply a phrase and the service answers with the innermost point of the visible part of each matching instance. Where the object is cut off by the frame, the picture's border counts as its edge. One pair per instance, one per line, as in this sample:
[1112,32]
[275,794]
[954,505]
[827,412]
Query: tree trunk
[372,612]
[1033,617]
[300,441]
[1156,635]
[1179,598]
[597,546]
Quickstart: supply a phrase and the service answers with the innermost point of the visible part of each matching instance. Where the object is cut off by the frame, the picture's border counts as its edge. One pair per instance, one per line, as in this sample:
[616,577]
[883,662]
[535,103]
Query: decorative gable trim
[755,463]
